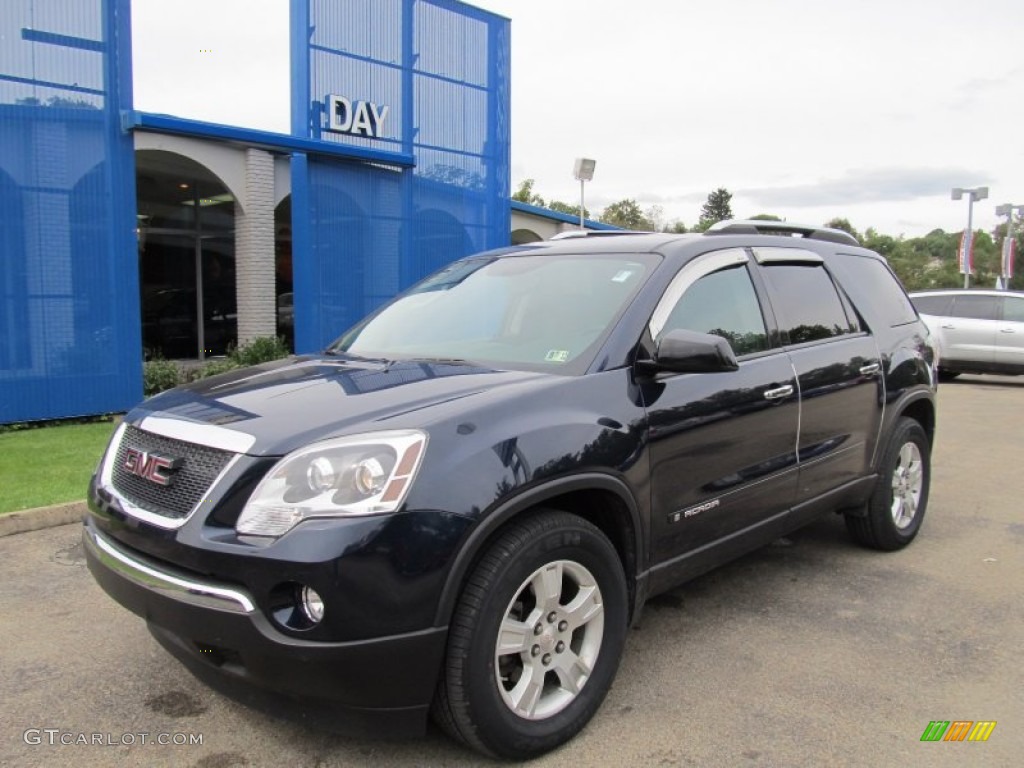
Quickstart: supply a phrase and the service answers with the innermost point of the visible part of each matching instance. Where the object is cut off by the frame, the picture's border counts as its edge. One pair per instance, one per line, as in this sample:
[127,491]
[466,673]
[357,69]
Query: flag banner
[966,253]
[1009,245]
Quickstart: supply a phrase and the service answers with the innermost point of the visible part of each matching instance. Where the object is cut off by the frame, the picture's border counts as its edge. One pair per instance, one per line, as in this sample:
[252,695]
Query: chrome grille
[199,467]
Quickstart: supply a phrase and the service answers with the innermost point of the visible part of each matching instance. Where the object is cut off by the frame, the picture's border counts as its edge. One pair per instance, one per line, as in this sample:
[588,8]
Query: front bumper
[217,631]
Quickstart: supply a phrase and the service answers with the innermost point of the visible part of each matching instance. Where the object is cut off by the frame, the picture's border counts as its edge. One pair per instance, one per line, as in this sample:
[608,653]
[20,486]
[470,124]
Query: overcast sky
[807,109]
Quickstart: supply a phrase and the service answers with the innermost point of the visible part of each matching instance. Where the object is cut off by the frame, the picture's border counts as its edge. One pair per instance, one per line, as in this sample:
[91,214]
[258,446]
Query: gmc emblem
[151,466]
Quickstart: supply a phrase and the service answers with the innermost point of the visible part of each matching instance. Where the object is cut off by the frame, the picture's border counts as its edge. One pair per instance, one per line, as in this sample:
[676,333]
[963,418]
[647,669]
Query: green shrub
[160,374]
[260,350]
[213,367]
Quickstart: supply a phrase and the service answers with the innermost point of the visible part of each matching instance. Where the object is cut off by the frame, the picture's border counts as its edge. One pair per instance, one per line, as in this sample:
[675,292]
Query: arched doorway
[284,272]
[439,238]
[524,236]
[186,227]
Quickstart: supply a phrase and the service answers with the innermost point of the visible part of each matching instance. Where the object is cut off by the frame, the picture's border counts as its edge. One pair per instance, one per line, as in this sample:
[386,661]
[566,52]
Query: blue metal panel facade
[69,290]
[361,232]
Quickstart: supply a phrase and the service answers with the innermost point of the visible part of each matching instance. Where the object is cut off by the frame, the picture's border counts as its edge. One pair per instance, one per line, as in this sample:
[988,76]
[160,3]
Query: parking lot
[810,652]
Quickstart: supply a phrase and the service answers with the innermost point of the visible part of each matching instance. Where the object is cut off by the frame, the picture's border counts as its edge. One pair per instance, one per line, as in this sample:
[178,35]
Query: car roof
[963,291]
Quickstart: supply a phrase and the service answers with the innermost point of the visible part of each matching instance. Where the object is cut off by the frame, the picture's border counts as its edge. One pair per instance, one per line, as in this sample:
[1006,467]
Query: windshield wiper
[383,361]
[439,360]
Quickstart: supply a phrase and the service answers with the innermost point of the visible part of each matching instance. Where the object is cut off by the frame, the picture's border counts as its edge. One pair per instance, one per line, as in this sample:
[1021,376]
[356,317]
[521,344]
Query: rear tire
[896,508]
[535,639]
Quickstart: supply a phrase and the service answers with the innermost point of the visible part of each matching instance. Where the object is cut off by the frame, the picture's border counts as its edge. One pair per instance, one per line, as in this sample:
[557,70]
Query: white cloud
[804,108]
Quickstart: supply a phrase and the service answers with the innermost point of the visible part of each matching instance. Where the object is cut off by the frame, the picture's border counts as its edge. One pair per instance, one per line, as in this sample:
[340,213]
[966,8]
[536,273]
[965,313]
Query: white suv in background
[975,331]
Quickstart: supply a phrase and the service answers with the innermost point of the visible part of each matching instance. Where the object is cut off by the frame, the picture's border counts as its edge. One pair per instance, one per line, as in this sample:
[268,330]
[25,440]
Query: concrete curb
[44,517]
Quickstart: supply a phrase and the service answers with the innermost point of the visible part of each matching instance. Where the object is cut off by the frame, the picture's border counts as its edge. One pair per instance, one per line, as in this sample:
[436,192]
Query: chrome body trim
[163,580]
[209,435]
[140,513]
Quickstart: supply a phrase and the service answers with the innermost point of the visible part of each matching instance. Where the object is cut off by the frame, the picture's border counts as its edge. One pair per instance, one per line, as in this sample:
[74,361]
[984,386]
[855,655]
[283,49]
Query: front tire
[897,505]
[536,638]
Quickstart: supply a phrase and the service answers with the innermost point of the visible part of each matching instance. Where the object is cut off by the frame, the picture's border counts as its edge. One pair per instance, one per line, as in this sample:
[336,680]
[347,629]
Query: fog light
[312,605]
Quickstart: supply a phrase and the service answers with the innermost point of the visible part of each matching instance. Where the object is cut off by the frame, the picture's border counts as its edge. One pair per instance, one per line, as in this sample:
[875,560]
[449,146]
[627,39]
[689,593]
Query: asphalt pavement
[809,652]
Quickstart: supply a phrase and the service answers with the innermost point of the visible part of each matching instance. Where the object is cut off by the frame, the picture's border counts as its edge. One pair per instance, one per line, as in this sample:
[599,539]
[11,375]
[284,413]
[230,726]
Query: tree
[844,225]
[628,215]
[717,208]
[452,174]
[765,217]
[676,227]
[656,216]
[574,210]
[525,194]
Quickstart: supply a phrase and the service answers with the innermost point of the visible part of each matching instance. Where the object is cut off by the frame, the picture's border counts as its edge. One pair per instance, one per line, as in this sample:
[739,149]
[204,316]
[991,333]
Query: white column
[254,250]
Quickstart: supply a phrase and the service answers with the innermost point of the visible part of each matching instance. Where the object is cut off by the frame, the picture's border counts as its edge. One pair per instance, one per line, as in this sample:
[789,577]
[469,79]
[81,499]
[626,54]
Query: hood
[285,405]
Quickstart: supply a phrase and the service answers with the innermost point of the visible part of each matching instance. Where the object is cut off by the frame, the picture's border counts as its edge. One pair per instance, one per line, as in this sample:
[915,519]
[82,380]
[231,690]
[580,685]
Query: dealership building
[124,233]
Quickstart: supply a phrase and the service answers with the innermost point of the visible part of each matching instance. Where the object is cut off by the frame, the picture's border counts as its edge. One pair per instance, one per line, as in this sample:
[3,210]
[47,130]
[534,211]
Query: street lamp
[1006,273]
[584,171]
[967,242]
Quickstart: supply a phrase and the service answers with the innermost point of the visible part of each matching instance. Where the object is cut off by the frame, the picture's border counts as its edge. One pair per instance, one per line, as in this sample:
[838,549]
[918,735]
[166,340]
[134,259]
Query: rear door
[1009,352]
[969,333]
[838,369]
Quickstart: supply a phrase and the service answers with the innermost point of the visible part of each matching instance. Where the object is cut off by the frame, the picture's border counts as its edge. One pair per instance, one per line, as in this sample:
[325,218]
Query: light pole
[967,243]
[584,171]
[1006,273]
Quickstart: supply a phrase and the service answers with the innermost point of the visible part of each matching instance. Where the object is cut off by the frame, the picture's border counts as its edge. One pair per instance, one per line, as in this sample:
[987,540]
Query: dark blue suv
[460,506]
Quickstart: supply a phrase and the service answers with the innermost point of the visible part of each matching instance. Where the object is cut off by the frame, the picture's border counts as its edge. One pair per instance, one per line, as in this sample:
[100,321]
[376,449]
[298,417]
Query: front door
[722,445]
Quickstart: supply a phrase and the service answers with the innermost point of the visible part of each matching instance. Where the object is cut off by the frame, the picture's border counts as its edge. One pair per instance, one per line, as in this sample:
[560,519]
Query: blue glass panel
[356,227]
[69,327]
[366,232]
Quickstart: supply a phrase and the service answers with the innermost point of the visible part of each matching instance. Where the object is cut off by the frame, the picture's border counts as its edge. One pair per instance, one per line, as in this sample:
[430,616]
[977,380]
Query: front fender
[475,543]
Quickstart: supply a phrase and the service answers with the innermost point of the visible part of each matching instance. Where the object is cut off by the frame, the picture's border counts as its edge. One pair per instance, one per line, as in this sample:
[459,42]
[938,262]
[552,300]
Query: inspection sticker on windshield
[622,275]
[557,355]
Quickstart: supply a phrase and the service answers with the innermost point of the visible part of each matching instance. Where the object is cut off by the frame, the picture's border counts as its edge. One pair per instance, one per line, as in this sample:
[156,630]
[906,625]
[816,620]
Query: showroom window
[186,231]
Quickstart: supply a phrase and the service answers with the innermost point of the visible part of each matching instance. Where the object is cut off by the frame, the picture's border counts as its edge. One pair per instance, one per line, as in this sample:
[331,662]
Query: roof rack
[571,233]
[768,227]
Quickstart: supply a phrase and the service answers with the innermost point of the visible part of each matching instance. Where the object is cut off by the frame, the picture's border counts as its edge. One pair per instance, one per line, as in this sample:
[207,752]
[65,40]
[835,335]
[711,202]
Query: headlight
[357,475]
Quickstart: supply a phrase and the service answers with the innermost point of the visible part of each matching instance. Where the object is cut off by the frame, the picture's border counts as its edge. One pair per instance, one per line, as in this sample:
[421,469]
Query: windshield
[533,312]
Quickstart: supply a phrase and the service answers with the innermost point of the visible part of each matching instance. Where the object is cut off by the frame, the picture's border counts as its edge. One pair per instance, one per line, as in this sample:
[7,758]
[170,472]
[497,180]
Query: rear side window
[976,307]
[806,303]
[874,289]
[933,305]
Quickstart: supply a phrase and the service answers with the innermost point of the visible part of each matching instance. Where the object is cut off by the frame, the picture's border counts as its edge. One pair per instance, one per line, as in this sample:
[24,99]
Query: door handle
[779,392]
[870,369]
[1007,330]
[950,327]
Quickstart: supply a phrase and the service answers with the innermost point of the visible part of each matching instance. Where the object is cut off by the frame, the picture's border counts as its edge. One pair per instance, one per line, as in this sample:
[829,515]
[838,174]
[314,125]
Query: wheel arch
[603,500]
[922,410]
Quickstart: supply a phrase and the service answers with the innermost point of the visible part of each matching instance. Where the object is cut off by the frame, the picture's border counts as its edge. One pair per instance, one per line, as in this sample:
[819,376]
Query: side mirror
[682,351]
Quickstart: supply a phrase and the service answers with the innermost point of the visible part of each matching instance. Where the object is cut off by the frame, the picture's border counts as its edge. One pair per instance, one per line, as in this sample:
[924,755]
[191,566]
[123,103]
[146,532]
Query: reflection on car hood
[285,405]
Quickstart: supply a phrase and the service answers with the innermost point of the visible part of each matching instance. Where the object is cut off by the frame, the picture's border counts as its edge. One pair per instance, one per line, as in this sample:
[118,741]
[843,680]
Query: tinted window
[933,305]
[976,307]
[724,304]
[874,289]
[806,303]
[1013,308]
